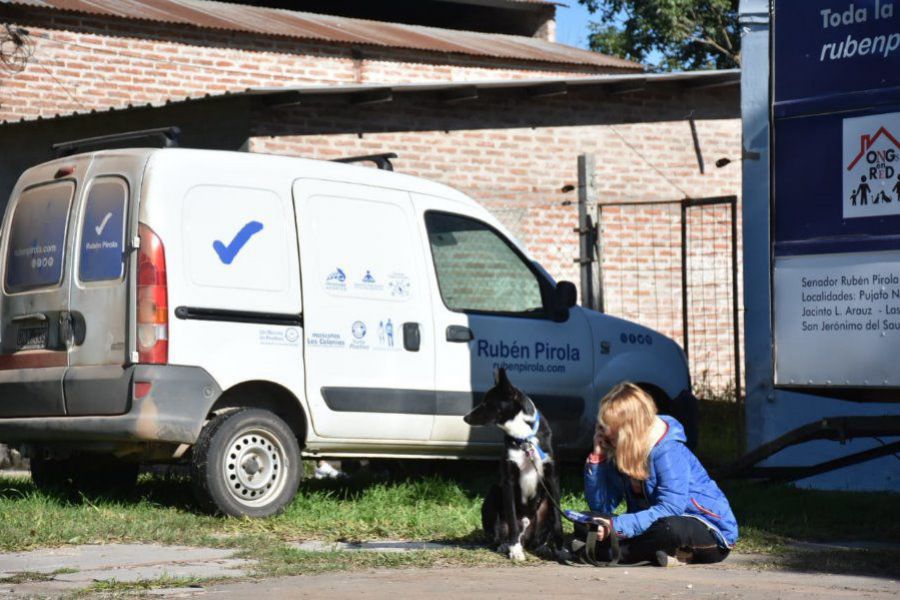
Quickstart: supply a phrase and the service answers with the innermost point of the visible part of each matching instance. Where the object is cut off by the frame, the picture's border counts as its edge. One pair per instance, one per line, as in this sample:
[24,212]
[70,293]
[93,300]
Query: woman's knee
[663,526]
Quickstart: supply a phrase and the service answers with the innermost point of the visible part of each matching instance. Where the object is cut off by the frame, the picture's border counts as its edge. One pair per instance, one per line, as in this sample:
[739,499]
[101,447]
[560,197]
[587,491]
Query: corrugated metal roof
[632,83]
[300,25]
[536,3]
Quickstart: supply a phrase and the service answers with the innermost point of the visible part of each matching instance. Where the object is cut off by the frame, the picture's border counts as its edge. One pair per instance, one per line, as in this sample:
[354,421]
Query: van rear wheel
[246,463]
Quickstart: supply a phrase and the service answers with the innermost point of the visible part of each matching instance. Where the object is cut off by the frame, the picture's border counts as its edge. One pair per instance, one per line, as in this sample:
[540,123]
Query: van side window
[37,237]
[101,254]
[478,270]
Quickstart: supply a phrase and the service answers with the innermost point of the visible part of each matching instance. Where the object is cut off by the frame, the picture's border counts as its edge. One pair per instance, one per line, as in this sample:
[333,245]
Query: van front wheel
[246,463]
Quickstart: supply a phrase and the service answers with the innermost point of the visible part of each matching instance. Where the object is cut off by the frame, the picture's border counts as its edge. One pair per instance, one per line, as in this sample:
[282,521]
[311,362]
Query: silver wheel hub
[255,467]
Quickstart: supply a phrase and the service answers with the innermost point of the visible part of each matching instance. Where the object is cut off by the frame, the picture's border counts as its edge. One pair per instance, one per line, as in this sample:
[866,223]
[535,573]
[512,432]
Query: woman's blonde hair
[630,412]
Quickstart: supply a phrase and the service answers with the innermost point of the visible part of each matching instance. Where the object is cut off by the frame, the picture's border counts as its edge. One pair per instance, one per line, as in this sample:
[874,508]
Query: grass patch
[442,506]
[112,586]
[31,576]
[283,560]
[26,577]
[815,515]
[719,441]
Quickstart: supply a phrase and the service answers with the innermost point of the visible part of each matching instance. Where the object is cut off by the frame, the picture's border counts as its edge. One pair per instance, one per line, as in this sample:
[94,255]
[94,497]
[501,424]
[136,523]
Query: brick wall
[644,153]
[514,156]
[86,62]
[512,153]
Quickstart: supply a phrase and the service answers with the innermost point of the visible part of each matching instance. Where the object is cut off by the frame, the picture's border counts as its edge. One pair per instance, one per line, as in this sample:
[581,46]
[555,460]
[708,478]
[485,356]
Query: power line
[60,84]
[16,48]
[649,163]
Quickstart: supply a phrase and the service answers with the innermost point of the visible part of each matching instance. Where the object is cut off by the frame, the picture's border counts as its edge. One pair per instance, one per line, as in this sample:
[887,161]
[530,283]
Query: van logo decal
[399,285]
[338,276]
[99,228]
[368,283]
[386,333]
[227,253]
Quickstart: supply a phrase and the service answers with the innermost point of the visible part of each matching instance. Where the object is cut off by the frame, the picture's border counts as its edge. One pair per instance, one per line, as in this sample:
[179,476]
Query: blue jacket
[678,485]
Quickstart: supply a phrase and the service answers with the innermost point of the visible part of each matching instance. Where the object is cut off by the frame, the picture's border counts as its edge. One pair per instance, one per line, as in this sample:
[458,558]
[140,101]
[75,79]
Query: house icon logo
[871,174]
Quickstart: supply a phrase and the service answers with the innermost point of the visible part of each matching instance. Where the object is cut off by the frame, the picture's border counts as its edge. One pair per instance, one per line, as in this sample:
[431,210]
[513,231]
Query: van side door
[369,348]
[492,309]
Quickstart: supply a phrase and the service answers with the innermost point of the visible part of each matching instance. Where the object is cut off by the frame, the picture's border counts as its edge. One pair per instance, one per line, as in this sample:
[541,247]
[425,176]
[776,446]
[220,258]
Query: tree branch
[713,44]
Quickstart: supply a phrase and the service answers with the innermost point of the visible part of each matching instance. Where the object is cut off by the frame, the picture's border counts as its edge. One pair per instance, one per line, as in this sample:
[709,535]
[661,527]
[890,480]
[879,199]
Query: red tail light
[152,300]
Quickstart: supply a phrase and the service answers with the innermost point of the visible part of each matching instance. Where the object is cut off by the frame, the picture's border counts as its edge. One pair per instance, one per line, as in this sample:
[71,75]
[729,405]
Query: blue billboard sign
[834,47]
[836,194]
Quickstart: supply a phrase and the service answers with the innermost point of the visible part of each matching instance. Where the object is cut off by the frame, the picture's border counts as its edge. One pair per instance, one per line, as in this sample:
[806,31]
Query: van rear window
[37,237]
[101,256]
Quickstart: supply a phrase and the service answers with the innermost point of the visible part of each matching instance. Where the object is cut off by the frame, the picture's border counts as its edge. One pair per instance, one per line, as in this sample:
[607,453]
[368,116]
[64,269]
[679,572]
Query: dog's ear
[501,379]
[506,385]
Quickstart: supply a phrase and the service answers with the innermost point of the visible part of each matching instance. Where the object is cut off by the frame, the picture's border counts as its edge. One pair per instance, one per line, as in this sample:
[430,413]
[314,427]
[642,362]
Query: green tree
[668,35]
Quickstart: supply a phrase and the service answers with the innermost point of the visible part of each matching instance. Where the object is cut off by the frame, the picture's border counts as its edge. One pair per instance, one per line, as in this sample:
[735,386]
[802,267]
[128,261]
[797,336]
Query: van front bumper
[172,409]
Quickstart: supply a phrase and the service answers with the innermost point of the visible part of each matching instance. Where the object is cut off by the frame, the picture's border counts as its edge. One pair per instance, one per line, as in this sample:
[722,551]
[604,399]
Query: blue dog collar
[532,440]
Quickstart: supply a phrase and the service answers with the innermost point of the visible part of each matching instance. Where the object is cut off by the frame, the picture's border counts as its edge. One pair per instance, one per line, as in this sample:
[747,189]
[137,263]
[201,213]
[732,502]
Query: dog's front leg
[513,541]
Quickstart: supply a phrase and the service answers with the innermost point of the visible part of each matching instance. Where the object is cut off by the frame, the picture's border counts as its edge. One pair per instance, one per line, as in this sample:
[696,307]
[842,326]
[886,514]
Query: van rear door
[97,323]
[65,327]
[35,288]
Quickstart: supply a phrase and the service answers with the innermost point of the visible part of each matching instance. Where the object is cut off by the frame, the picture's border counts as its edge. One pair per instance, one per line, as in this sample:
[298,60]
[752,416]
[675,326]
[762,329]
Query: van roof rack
[165,137]
[382,161]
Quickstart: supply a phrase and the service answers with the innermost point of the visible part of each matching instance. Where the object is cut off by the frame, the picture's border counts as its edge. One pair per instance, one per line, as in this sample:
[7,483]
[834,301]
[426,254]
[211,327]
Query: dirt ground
[556,581]
[73,569]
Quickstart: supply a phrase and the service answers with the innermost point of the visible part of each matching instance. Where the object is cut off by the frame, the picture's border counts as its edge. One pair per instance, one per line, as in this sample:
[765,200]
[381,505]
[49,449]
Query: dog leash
[531,448]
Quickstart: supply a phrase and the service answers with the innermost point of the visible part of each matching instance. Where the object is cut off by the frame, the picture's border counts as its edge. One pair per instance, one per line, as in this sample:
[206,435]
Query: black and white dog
[519,512]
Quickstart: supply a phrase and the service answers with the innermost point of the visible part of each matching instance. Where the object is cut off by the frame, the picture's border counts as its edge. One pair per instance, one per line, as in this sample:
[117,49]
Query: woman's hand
[603,529]
[601,441]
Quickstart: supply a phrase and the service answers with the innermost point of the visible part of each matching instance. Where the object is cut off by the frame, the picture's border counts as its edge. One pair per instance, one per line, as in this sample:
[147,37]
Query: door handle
[412,338]
[459,333]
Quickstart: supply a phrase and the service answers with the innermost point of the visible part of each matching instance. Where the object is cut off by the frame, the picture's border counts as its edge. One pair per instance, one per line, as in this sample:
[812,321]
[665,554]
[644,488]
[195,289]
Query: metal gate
[673,266]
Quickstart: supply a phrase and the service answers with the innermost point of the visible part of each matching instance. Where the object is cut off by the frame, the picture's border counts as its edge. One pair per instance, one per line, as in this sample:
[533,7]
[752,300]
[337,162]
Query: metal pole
[587,164]
[737,328]
[684,278]
[598,241]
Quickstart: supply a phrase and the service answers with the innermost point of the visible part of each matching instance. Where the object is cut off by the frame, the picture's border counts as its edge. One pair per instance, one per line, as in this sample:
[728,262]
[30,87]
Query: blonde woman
[675,513]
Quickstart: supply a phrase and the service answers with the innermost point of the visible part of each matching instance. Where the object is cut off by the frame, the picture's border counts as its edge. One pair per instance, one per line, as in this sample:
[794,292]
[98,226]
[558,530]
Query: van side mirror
[564,297]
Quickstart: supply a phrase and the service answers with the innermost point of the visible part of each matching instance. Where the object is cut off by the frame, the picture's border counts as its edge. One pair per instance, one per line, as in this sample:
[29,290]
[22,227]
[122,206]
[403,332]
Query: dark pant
[669,534]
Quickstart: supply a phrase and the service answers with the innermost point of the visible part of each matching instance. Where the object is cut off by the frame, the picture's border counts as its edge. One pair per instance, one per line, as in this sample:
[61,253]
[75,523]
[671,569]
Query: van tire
[246,463]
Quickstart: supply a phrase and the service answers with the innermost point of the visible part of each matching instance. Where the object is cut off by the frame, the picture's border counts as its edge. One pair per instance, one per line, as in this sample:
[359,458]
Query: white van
[240,311]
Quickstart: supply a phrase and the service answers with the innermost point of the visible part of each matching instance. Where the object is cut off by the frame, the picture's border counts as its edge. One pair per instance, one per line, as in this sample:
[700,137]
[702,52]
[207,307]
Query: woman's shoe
[664,560]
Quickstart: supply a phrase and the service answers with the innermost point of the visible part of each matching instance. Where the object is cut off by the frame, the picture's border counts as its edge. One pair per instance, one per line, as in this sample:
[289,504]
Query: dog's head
[501,403]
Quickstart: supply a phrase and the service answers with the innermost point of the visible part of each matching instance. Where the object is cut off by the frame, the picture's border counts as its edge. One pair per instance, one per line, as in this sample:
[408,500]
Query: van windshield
[37,237]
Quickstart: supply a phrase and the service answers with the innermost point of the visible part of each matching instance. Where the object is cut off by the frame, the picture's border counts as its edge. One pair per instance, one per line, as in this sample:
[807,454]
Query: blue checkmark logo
[227,253]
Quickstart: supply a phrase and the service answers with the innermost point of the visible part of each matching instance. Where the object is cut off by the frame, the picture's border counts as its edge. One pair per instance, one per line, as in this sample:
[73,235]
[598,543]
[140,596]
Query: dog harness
[530,443]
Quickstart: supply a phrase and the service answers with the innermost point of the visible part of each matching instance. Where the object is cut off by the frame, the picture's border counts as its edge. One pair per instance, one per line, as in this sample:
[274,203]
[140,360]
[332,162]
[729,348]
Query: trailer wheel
[246,463]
